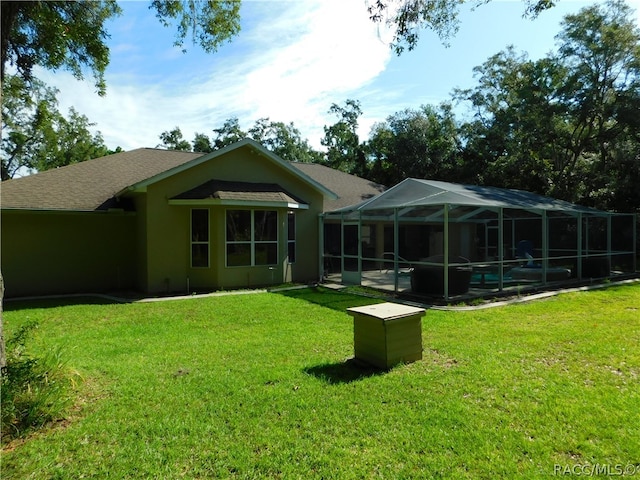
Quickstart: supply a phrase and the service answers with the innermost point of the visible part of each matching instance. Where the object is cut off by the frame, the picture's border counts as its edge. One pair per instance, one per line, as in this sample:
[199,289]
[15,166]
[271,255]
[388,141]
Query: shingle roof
[92,185]
[89,185]
[349,188]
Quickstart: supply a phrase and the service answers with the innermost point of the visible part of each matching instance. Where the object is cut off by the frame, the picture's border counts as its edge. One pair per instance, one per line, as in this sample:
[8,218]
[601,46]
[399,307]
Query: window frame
[206,242]
[253,243]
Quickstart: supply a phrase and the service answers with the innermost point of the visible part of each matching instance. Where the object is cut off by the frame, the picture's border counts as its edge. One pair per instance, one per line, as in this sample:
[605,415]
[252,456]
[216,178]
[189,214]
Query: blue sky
[290,62]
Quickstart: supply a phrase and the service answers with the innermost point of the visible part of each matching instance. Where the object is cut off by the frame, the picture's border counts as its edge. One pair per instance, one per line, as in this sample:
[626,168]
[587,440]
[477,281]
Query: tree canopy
[285,140]
[344,150]
[210,23]
[408,17]
[419,143]
[55,35]
[554,126]
[72,35]
[36,136]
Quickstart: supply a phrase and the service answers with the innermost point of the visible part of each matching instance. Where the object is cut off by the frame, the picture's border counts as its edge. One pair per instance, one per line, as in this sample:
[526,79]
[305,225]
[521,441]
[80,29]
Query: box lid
[387,311]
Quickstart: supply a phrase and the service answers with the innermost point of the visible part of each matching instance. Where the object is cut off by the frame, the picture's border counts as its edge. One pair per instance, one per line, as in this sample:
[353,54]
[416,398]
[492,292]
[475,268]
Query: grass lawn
[261,386]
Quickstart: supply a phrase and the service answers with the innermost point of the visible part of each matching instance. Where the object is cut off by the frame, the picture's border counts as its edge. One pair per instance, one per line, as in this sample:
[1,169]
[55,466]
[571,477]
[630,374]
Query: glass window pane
[291,226]
[199,225]
[238,255]
[292,252]
[238,225]
[266,225]
[200,255]
[266,253]
[291,236]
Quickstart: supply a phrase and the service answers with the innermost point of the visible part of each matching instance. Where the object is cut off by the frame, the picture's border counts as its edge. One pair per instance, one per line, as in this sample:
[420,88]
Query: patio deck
[383,280]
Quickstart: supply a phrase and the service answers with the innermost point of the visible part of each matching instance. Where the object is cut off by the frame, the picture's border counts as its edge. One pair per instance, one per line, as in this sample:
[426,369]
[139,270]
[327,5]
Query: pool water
[476,278]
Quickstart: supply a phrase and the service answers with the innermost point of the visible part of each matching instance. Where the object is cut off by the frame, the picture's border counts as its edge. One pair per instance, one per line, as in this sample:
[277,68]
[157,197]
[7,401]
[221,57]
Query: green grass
[35,389]
[262,386]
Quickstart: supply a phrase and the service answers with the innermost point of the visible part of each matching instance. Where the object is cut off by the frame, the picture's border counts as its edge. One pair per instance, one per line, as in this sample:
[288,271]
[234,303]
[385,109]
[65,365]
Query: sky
[290,62]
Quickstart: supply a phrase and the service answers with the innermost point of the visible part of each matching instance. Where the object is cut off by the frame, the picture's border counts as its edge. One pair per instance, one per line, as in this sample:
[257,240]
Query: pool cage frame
[435,239]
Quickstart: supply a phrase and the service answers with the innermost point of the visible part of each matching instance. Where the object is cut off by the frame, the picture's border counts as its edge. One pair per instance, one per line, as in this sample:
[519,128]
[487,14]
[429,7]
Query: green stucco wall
[50,253]
[167,228]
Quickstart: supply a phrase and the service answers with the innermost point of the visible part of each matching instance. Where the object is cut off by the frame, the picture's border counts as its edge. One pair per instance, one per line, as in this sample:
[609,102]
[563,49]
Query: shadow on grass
[54,301]
[335,300]
[343,372]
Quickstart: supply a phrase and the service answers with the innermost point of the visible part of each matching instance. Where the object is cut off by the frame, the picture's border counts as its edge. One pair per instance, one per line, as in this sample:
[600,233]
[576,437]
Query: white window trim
[253,242]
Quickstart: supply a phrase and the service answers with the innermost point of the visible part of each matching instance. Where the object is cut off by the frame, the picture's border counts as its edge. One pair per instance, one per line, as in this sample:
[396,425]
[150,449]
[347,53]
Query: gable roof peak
[246,142]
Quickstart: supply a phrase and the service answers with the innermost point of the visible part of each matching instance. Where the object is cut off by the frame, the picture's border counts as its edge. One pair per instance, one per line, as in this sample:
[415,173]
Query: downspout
[446,251]
[320,247]
[513,237]
[545,246]
[634,222]
[579,257]
[587,236]
[359,247]
[396,241]
[486,241]
[342,247]
[501,248]
[609,244]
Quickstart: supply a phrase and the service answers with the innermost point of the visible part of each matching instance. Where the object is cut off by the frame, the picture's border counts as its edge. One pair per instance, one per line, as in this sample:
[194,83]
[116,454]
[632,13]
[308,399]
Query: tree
[211,22]
[282,139]
[418,143]
[554,126]
[514,134]
[202,143]
[36,136]
[26,120]
[619,190]
[172,140]
[344,151]
[3,353]
[228,134]
[55,35]
[73,143]
[285,140]
[600,49]
[409,17]
[72,35]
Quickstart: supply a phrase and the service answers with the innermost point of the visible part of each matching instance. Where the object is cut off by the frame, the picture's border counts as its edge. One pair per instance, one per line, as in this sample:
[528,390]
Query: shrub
[34,388]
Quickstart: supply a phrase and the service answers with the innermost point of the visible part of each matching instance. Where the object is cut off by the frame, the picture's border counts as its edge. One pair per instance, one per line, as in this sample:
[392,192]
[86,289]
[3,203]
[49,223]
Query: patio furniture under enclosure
[439,239]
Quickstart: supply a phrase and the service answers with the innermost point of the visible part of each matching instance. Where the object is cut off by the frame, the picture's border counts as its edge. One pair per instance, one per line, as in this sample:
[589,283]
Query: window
[199,238]
[252,237]
[291,236]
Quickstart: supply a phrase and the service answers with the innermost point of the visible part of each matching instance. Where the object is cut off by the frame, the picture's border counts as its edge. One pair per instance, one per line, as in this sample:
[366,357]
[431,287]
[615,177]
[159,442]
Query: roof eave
[237,203]
[45,210]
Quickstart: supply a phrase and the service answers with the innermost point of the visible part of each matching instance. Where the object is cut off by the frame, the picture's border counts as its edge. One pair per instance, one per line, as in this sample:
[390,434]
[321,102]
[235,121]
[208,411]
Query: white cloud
[290,66]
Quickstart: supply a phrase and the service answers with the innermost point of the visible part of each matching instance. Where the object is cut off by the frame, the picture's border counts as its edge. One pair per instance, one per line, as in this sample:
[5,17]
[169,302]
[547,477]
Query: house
[160,221]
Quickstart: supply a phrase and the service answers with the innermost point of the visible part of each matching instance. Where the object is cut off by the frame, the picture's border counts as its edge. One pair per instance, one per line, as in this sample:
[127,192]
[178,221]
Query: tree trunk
[3,356]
